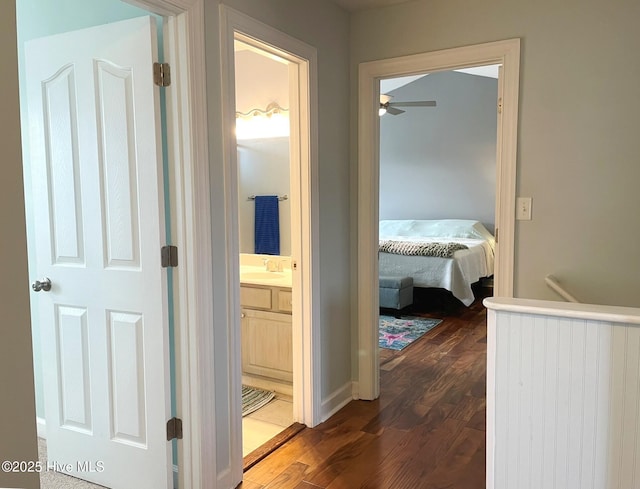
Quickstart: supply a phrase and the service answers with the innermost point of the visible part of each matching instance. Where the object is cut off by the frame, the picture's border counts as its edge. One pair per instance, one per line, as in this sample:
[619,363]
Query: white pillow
[443,228]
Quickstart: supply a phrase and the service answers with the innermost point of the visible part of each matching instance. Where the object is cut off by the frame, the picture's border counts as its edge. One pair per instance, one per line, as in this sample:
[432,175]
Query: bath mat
[253,399]
[398,333]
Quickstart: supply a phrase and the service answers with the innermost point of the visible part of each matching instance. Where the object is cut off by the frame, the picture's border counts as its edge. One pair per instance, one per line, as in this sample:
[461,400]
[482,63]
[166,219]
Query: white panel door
[99,218]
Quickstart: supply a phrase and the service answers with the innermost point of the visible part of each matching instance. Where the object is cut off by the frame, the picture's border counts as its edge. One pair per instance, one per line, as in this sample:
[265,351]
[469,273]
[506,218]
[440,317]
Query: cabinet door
[255,297]
[266,344]
[284,300]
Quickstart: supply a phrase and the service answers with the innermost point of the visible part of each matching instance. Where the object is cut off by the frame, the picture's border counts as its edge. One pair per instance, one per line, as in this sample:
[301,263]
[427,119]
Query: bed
[454,269]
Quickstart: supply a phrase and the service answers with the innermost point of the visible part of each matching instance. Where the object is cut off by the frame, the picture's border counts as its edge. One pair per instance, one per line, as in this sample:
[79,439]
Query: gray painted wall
[578,141]
[17,409]
[440,162]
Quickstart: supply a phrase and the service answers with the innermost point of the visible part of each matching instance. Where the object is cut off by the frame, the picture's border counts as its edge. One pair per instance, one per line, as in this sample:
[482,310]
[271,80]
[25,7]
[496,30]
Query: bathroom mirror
[262,85]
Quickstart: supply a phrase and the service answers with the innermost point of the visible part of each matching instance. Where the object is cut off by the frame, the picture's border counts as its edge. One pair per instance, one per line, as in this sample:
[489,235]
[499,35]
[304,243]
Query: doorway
[301,203]
[438,176]
[265,236]
[505,53]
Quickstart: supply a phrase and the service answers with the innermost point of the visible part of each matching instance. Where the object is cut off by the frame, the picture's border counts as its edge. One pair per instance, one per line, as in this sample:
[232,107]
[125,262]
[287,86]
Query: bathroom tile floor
[265,423]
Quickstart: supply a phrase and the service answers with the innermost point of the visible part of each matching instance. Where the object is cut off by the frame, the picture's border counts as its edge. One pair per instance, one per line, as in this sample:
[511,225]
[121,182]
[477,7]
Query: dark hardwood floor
[427,429]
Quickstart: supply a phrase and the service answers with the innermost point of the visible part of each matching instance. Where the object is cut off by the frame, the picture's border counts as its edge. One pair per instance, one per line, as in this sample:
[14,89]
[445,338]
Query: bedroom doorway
[438,183]
[504,53]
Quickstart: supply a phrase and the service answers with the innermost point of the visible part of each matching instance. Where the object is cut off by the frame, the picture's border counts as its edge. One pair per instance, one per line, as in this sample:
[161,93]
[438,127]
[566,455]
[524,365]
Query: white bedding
[455,274]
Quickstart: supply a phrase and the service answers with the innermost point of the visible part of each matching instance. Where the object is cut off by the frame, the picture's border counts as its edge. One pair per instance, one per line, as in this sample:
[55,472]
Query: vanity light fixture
[271,122]
[272,108]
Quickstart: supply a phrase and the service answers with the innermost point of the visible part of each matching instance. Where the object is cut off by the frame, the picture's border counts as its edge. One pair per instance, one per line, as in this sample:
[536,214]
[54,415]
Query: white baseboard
[41,427]
[336,401]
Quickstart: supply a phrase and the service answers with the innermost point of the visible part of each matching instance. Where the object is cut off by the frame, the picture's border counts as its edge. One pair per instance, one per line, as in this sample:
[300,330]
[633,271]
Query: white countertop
[253,270]
[260,276]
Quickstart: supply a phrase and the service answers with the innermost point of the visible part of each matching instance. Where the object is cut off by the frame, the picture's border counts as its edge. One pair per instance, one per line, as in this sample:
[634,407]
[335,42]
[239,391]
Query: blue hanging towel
[267,225]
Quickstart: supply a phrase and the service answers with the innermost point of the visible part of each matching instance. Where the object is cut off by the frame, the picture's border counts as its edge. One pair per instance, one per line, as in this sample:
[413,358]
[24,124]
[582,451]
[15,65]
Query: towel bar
[284,197]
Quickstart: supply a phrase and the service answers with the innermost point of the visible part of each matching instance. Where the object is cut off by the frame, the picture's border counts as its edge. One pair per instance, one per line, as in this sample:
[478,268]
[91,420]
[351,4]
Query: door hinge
[500,105]
[169,256]
[496,237]
[174,429]
[161,74]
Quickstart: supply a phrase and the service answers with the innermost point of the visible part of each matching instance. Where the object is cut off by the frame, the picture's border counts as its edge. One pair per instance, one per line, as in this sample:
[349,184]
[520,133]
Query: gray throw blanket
[442,250]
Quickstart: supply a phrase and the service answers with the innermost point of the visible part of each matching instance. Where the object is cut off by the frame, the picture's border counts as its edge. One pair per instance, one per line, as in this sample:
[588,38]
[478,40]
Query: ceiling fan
[387,106]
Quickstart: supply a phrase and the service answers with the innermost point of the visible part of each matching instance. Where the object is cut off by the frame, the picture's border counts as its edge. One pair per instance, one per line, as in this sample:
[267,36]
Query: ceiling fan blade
[423,103]
[394,111]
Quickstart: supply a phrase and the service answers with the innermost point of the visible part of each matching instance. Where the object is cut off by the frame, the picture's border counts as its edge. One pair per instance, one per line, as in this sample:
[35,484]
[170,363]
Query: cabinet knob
[242,315]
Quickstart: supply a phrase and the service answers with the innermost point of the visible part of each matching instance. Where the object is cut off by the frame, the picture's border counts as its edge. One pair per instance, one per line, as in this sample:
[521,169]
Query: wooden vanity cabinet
[267,349]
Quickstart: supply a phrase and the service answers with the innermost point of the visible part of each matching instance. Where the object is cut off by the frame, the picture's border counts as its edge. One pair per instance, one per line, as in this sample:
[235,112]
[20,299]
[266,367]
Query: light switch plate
[523,209]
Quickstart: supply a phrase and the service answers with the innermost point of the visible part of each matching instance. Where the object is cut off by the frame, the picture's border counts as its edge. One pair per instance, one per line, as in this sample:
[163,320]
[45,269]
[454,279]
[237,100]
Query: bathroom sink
[262,275]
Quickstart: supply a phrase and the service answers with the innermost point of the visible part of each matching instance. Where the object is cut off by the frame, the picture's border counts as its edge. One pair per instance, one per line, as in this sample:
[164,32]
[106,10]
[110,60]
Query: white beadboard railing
[563,395]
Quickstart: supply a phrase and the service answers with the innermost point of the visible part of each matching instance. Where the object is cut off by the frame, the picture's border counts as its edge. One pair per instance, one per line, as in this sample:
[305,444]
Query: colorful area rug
[253,399]
[396,334]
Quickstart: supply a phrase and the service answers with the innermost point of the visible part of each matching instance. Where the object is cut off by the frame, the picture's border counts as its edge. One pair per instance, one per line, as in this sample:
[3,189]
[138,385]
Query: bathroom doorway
[271,303]
[264,233]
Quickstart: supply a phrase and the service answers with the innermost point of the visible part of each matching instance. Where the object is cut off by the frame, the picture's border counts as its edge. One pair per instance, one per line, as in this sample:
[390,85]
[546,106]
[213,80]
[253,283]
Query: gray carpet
[55,480]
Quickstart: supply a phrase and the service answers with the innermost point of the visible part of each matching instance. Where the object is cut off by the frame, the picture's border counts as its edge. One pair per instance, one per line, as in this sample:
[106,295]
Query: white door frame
[191,231]
[506,53]
[303,141]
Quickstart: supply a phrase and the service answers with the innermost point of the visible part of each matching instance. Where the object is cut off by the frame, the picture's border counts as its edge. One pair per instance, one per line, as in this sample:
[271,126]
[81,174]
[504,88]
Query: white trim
[595,312]
[191,229]
[234,369]
[306,340]
[491,400]
[506,53]
[337,400]
[355,390]
[41,427]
